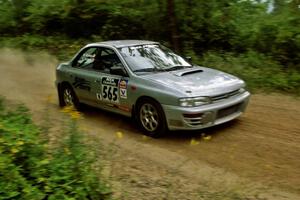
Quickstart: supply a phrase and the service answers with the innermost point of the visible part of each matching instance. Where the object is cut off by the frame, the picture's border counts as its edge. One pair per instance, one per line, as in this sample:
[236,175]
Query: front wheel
[151,118]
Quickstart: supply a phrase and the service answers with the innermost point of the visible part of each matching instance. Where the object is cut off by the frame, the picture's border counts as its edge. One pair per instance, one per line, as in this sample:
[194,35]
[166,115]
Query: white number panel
[110,90]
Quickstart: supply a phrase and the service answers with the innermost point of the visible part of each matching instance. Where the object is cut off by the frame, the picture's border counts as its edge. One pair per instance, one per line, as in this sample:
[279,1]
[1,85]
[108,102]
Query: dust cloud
[27,77]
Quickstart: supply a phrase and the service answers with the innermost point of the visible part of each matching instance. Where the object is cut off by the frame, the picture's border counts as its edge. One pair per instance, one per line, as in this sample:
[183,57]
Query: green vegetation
[31,169]
[257,40]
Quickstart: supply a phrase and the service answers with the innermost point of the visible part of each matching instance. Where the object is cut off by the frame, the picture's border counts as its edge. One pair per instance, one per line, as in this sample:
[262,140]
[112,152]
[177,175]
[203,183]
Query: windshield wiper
[148,70]
[177,67]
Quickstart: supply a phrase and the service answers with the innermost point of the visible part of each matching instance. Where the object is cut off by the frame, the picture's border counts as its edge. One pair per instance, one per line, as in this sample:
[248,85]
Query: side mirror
[118,70]
[189,59]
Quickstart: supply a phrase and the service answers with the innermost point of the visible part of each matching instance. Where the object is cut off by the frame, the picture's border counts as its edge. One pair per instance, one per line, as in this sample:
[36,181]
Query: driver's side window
[100,59]
[106,60]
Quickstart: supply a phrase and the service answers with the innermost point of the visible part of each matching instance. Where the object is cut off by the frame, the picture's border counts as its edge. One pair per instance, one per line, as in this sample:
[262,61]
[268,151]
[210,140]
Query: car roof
[124,43]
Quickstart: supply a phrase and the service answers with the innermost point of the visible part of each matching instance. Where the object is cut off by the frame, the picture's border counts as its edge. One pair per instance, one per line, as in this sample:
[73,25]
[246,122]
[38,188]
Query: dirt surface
[254,157]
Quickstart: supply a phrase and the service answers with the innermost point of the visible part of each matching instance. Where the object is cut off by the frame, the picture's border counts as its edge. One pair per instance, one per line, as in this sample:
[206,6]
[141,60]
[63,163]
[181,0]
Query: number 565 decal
[110,93]
[110,90]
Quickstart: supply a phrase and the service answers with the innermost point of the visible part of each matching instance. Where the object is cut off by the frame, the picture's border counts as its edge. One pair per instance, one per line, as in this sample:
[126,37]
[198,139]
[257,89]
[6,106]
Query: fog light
[174,122]
[207,118]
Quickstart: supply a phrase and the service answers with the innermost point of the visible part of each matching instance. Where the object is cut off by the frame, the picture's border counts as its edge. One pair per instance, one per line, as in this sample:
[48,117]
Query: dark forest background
[258,40]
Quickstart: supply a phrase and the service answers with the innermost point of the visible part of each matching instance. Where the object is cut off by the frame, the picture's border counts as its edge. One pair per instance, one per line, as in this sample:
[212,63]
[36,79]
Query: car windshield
[152,58]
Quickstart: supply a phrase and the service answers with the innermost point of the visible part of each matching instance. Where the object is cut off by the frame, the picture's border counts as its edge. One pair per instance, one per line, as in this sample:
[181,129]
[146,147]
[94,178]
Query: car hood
[197,81]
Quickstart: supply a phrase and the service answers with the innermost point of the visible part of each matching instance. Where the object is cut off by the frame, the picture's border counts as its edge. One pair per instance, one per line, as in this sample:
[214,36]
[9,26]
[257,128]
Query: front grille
[228,111]
[225,95]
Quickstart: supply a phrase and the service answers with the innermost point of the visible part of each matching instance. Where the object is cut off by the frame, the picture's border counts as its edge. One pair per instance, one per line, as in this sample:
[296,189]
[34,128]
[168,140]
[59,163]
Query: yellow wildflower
[145,137]
[119,135]
[75,114]
[206,138]
[14,150]
[20,143]
[67,151]
[41,179]
[47,188]
[194,142]
[44,162]
[67,109]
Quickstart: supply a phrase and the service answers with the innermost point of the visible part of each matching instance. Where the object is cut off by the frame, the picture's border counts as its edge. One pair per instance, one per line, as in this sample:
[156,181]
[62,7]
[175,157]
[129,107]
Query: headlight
[194,101]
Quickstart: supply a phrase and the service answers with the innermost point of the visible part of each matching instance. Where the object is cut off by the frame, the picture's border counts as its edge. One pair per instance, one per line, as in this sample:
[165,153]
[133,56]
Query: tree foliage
[269,27]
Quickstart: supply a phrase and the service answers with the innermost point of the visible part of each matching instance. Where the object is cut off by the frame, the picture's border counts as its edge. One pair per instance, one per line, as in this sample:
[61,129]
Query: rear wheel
[67,97]
[151,118]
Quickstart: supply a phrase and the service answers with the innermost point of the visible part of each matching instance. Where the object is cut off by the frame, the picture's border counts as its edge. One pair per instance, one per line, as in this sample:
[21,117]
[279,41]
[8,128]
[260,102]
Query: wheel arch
[65,83]
[162,114]
[139,100]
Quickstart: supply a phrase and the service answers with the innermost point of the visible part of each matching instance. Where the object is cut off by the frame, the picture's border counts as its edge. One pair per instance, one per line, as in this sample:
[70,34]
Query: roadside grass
[31,169]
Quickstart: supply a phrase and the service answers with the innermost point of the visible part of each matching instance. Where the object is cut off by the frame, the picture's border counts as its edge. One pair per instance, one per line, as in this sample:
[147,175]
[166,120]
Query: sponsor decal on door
[123,88]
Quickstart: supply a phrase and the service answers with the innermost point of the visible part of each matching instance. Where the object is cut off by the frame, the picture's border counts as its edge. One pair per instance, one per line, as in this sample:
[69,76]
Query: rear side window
[86,58]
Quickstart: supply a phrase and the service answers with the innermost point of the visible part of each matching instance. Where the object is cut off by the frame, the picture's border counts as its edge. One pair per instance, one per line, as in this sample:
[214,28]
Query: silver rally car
[152,84]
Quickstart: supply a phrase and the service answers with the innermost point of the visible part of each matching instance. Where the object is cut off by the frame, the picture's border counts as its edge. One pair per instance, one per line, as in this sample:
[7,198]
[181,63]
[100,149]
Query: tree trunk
[278,5]
[173,27]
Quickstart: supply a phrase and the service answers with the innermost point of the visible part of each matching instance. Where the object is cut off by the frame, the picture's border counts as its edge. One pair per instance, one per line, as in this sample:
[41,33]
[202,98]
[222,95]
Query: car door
[110,89]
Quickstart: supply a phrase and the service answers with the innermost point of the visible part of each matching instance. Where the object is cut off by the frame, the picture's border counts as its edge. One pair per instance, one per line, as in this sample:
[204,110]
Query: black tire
[67,97]
[151,118]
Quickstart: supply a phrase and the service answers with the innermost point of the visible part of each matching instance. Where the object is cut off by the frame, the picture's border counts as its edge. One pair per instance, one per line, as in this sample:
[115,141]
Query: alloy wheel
[68,97]
[149,117]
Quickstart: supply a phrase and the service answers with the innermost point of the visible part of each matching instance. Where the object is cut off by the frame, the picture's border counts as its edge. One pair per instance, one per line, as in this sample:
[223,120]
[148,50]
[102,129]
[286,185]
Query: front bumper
[194,118]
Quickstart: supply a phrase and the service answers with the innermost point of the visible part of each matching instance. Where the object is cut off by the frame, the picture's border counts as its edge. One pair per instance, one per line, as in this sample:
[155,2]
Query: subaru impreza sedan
[148,82]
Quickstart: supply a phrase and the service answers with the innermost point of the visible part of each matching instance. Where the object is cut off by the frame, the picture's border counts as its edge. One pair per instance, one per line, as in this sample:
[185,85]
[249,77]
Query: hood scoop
[187,72]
